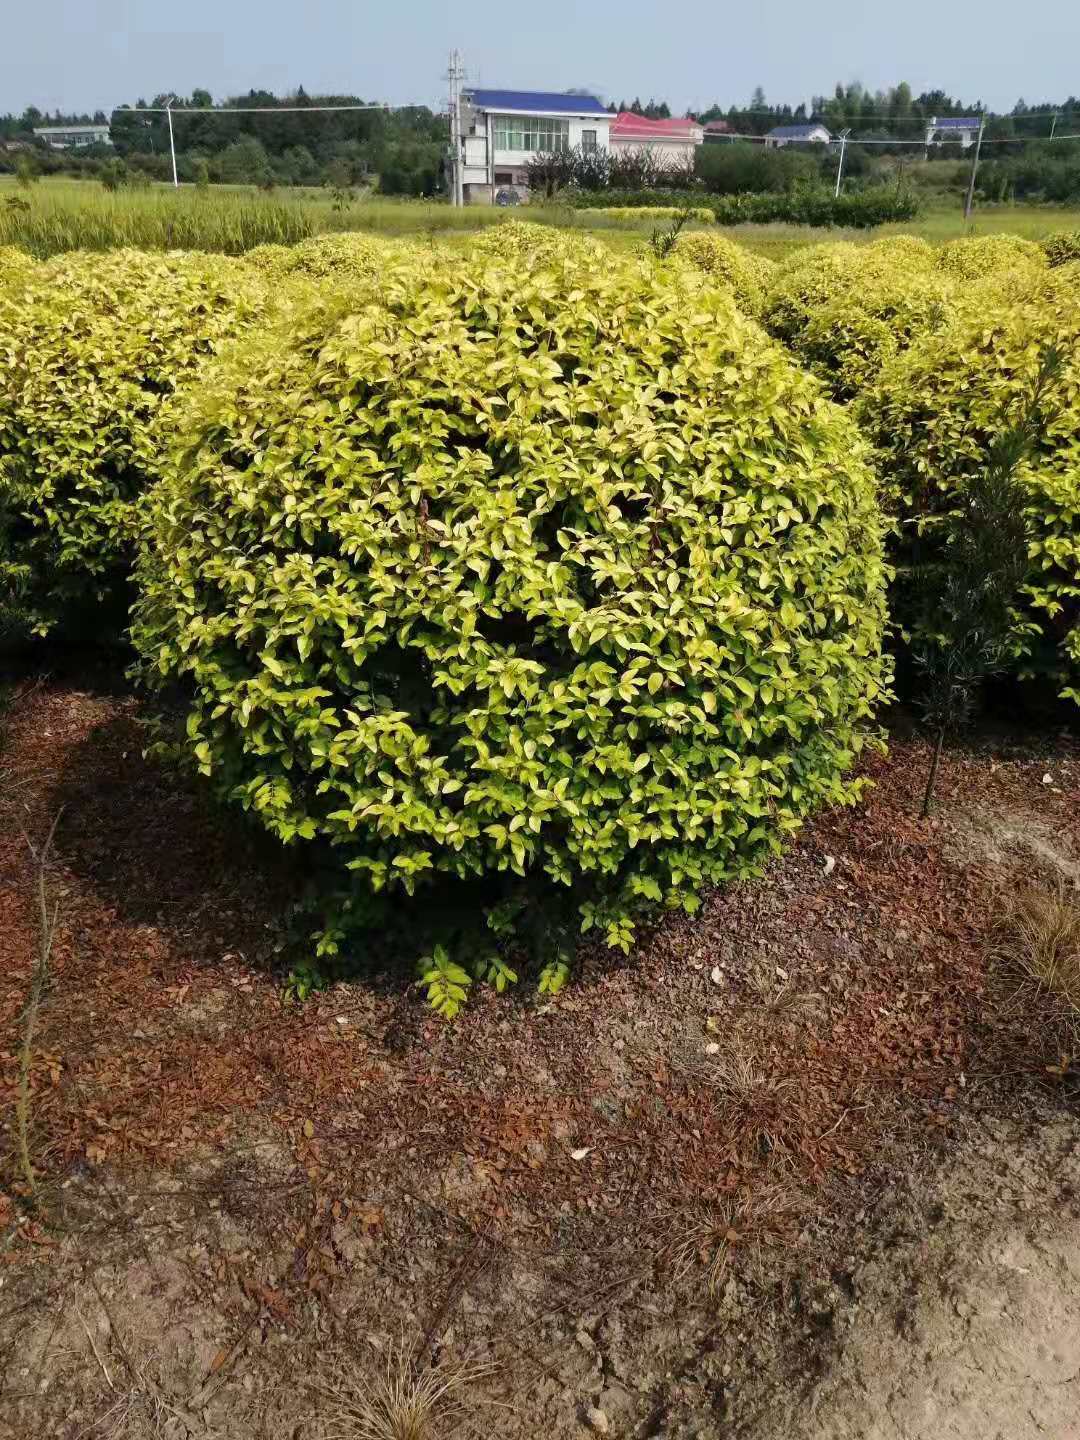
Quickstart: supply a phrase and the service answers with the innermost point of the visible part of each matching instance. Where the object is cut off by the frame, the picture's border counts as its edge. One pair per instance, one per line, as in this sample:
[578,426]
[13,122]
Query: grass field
[56,215]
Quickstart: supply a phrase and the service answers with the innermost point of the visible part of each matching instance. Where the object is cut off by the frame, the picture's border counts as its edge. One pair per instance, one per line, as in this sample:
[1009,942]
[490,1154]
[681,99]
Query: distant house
[672,141]
[72,137]
[797,135]
[717,130]
[949,127]
[502,129]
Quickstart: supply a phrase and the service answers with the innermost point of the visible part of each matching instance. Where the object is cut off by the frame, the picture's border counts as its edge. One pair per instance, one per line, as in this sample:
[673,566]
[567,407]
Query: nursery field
[539,828]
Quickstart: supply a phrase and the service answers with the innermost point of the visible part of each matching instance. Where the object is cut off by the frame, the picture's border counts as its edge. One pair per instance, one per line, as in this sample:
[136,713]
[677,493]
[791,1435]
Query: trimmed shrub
[565,578]
[933,414]
[723,261]
[324,255]
[847,309]
[1062,247]
[907,250]
[523,242]
[650,212]
[978,256]
[92,344]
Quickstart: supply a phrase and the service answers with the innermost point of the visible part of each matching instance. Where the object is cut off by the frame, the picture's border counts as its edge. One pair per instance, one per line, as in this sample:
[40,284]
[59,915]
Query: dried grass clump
[1039,935]
[707,1237]
[404,1401]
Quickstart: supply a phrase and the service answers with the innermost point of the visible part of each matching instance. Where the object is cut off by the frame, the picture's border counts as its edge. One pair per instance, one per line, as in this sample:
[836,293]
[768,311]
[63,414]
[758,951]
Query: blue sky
[88,54]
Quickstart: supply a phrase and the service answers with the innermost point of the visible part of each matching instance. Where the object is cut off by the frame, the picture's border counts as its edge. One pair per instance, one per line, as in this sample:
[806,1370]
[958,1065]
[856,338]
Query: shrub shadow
[154,847]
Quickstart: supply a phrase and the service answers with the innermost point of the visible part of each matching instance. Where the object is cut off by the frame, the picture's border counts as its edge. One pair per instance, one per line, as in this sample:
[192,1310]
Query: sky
[77,55]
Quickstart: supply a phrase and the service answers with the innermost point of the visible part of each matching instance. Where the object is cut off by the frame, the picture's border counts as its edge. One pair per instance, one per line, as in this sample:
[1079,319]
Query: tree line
[405,149]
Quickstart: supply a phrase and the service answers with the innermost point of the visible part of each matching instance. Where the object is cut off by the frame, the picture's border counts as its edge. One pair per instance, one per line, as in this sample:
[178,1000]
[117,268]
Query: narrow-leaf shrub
[934,415]
[563,576]
[90,345]
[719,258]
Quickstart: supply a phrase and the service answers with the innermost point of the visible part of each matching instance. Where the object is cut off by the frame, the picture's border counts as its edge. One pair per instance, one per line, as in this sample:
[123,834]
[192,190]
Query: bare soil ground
[798,1168]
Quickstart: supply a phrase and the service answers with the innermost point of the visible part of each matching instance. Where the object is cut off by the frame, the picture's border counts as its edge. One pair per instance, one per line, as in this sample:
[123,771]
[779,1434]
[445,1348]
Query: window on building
[588,142]
[530,133]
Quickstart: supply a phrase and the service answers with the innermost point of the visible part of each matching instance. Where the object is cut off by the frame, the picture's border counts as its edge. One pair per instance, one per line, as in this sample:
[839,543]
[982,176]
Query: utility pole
[172,144]
[1053,125]
[969,202]
[840,168]
[454,74]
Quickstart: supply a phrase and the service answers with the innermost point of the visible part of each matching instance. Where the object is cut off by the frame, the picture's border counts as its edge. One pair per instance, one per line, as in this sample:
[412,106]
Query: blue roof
[956,122]
[795,132]
[536,100]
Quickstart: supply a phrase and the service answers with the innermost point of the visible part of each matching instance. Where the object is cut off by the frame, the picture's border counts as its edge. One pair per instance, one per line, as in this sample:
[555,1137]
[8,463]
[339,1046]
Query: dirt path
[971,1330]
[995,1357]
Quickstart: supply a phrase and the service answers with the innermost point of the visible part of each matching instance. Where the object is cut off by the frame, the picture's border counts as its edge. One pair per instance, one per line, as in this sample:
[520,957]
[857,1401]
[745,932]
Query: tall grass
[49,219]
[64,214]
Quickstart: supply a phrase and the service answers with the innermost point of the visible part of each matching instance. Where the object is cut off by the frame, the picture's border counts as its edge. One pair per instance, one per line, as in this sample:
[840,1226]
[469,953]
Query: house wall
[576,126]
[480,180]
[75,138]
[819,136]
[669,151]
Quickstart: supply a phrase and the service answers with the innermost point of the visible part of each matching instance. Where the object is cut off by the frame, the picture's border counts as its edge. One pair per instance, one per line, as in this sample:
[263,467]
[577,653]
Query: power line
[892,140]
[251,109]
[906,115]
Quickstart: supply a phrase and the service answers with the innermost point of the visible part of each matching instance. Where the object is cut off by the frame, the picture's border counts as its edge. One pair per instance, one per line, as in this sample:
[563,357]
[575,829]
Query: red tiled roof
[628,126]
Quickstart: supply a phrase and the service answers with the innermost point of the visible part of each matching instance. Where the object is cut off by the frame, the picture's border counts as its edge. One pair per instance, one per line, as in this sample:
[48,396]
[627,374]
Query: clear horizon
[75,57]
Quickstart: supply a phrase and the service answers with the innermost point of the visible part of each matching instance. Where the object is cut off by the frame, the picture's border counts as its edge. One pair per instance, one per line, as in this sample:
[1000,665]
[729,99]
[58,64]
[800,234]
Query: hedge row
[800,205]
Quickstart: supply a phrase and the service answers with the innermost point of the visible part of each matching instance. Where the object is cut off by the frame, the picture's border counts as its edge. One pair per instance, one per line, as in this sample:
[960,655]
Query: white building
[72,137]
[966,127]
[673,142]
[782,135]
[502,129]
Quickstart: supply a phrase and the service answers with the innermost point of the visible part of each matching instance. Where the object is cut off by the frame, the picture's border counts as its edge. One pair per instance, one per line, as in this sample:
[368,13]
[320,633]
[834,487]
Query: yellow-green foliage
[907,250]
[722,260]
[933,414]
[649,212]
[977,256]
[559,574]
[846,309]
[15,264]
[343,255]
[89,346]
[525,243]
[1062,247]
